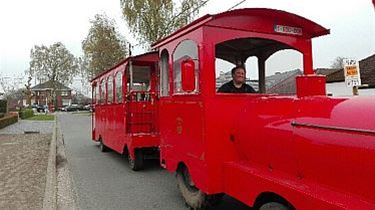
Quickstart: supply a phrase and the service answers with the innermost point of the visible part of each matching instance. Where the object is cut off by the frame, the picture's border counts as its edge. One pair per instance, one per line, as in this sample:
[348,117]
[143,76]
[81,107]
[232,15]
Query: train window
[280,75]
[94,94]
[140,78]
[164,72]
[223,73]
[102,92]
[97,96]
[110,89]
[118,87]
[264,59]
[187,49]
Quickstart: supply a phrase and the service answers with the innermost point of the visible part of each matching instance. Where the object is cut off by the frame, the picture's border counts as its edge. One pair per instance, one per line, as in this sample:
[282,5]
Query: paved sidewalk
[23,161]
[23,166]
[21,126]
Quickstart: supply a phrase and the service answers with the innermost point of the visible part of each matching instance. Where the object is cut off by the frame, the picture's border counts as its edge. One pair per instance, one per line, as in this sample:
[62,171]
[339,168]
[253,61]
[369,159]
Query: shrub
[2,115]
[8,120]
[3,106]
[26,113]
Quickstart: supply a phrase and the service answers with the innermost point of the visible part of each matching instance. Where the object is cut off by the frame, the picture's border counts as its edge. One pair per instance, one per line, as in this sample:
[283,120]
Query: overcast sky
[27,23]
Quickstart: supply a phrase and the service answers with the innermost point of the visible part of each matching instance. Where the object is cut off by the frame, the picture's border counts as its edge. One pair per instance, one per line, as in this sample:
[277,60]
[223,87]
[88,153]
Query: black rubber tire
[273,206]
[102,147]
[194,198]
[136,164]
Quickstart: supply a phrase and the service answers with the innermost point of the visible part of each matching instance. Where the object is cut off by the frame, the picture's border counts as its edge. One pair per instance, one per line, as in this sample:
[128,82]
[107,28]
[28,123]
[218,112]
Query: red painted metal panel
[142,112]
[311,85]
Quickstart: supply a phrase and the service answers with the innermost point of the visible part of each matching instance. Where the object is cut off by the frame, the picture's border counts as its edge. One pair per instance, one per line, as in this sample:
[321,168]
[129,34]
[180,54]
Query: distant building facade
[42,93]
[283,83]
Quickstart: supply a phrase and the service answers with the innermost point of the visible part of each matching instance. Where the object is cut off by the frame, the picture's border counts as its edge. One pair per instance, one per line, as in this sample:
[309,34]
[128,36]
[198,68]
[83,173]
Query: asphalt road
[104,180]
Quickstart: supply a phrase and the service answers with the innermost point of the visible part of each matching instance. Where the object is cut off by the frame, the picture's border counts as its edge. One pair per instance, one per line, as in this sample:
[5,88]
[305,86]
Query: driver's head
[239,74]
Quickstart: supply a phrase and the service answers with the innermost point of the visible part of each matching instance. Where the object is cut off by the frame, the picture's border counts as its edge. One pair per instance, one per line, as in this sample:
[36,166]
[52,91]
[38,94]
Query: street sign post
[352,74]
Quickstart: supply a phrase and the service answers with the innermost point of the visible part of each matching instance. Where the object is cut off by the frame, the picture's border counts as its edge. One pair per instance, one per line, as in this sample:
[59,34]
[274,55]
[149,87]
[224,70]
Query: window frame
[164,86]
[177,63]
[119,88]
[109,90]
[102,90]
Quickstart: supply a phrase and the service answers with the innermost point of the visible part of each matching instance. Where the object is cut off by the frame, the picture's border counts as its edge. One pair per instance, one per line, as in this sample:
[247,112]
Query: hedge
[8,120]
[26,113]
[3,106]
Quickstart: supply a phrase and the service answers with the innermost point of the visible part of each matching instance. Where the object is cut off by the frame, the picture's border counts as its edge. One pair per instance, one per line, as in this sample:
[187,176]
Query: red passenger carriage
[126,109]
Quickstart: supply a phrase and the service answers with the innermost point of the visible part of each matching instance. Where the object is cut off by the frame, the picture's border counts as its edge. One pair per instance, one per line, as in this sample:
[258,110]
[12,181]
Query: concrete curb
[66,197]
[50,193]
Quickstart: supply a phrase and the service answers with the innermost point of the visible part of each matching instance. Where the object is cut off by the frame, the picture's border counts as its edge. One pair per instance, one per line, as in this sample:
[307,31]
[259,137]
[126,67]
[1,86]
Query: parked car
[88,107]
[74,107]
[63,108]
[39,108]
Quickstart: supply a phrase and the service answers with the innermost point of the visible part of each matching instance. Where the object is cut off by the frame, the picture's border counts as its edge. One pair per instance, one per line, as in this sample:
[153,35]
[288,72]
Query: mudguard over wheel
[273,206]
[136,164]
[194,198]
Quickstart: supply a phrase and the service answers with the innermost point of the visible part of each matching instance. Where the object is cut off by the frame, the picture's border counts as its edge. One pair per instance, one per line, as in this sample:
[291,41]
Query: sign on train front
[351,71]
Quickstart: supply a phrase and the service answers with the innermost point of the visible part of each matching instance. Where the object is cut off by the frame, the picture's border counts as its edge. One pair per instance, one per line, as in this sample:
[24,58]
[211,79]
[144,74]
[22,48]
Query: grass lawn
[42,117]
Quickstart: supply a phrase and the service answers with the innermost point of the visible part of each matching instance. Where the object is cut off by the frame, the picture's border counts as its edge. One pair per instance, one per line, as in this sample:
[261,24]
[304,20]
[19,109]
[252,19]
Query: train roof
[310,28]
[146,57]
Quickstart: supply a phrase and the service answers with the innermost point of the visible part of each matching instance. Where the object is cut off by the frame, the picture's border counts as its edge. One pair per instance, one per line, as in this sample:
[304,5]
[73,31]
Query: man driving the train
[238,82]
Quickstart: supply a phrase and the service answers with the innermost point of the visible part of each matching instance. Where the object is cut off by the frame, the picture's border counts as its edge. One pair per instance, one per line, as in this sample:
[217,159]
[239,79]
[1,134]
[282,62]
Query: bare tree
[338,63]
[28,92]
[10,84]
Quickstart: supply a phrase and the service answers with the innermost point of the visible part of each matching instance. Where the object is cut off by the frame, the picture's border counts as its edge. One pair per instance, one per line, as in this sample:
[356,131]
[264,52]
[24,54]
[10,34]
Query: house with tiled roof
[367,68]
[325,71]
[42,93]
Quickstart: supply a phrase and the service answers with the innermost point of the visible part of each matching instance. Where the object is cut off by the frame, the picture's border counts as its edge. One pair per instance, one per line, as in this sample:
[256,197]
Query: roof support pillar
[262,73]
[307,59]
[130,76]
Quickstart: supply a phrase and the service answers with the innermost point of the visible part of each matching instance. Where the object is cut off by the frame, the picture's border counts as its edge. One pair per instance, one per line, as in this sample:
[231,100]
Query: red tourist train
[270,151]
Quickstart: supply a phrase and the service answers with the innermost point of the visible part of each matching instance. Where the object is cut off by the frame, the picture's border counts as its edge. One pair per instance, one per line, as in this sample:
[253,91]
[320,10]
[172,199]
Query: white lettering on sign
[288,30]
[351,71]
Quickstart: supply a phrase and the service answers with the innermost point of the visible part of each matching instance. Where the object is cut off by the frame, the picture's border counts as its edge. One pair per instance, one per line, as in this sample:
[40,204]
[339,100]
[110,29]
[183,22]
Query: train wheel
[194,198]
[136,164]
[273,206]
[102,147]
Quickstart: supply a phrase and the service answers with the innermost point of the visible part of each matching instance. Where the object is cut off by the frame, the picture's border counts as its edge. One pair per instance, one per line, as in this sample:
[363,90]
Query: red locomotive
[307,151]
